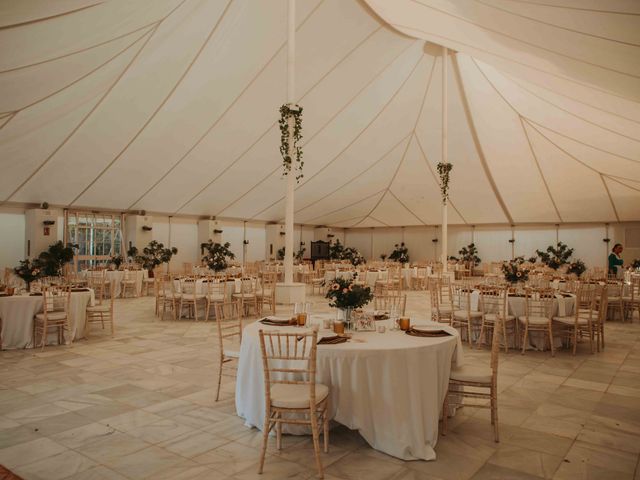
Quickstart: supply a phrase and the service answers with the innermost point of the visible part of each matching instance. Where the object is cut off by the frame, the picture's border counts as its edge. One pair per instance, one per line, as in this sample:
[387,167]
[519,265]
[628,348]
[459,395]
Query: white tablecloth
[234,286]
[17,314]
[390,387]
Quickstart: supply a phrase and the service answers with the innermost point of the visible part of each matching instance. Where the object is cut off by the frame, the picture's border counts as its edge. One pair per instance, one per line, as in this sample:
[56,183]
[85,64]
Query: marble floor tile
[29,452]
[57,467]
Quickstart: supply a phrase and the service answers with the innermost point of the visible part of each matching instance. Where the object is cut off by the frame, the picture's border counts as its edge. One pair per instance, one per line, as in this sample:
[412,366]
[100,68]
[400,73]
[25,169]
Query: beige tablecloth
[117,276]
[390,387]
[17,314]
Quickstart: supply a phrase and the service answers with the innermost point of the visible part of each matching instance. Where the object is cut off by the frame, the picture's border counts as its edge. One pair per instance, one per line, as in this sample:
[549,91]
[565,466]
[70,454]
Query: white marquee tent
[172,105]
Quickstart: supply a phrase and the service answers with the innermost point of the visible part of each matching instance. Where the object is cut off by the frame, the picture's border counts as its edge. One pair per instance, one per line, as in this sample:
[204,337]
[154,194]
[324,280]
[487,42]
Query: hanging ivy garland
[444,169]
[291,110]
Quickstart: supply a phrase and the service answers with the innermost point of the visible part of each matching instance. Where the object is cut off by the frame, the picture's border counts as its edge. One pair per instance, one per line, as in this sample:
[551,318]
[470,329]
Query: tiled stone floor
[140,405]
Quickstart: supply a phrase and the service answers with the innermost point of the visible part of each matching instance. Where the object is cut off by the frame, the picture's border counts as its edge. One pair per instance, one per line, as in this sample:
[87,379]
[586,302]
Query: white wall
[12,238]
[492,241]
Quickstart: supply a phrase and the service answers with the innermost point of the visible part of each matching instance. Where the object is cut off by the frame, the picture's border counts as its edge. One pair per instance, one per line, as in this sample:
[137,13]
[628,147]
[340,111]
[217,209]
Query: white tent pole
[291,177]
[445,153]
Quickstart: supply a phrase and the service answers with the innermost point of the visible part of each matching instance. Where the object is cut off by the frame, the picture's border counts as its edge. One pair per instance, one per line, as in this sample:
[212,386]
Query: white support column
[289,292]
[291,177]
[445,153]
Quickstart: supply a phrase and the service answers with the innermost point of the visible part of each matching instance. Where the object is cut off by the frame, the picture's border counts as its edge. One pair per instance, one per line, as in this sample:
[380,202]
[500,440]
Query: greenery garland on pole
[287,111]
[444,169]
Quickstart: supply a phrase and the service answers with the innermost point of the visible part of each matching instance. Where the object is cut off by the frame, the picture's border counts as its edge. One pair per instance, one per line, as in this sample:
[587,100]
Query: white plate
[428,328]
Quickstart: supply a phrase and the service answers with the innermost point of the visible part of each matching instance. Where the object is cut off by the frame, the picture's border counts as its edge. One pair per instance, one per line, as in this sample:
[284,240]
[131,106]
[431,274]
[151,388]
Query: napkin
[79,289]
[277,322]
[427,333]
[335,339]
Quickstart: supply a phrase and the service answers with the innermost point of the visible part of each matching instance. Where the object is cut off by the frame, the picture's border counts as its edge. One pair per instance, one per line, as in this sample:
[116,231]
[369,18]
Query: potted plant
[470,256]
[29,270]
[555,257]
[300,254]
[336,250]
[217,255]
[280,254]
[635,264]
[55,258]
[153,255]
[346,295]
[400,253]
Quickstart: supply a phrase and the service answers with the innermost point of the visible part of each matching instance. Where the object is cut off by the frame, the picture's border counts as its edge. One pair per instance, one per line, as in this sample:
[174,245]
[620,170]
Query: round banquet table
[17,312]
[390,387]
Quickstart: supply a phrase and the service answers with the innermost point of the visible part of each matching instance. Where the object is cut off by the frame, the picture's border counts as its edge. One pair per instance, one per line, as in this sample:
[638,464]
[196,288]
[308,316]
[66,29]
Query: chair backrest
[289,358]
[387,302]
[228,322]
[493,299]
[188,287]
[461,296]
[56,299]
[539,303]
[216,287]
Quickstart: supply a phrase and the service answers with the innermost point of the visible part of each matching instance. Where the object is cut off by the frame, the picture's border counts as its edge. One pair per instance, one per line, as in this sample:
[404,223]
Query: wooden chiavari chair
[229,328]
[101,313]
[614,296]
[476,382]
[631,298]
[247,296]
[537,317]
[216,294]
[289,362]
[494,308]
[267,292]
[190,297]
[55,314]
[464,316]
[170,296]
[128,284]
[390,301]
[582,321]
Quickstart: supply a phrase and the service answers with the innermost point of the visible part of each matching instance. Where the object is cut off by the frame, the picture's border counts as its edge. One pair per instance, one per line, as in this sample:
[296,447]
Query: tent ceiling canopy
[172,106]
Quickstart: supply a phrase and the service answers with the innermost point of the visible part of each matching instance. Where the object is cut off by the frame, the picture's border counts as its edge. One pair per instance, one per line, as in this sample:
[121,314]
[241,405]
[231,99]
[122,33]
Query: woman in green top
[614,259]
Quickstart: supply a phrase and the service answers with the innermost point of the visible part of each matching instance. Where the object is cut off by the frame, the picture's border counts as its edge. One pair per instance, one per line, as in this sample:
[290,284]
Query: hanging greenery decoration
[444,169]
[290,110]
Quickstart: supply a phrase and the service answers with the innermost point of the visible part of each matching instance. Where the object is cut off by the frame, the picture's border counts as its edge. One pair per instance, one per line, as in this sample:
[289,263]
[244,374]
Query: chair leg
[525,336]
[265,439]
[279,432]
[494,413]
[551,346]
[325,424]
[316,441]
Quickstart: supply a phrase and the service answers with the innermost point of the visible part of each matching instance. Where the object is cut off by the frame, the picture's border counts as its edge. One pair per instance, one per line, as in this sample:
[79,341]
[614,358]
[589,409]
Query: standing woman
[615,260]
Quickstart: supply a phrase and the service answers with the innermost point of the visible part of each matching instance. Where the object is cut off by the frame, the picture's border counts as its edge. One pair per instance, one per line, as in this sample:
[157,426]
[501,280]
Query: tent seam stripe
[476,138]
[162,104]
[462,19]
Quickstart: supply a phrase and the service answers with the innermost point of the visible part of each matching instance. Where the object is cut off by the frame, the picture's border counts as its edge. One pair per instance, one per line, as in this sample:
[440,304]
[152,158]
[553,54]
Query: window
[97,235]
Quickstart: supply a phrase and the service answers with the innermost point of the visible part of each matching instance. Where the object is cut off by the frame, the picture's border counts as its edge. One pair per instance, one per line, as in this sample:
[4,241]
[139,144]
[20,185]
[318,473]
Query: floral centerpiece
[53,260]
[636,263]
[153,255]
[29,270]
[578,268]
[515,271]
[354,256]
[116,261]
[346,295]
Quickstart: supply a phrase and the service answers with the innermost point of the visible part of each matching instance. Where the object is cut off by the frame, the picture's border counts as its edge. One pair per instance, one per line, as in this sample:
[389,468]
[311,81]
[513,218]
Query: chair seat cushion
[472,373]
[492,317]
[191,296]
[571,320]
[535,320]
[99,308]
[173,296]
[614,298]
[465,314]
[244,295]
[295,396]
[216,297]
[52,316]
